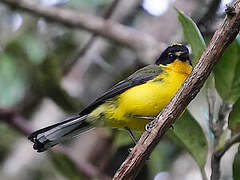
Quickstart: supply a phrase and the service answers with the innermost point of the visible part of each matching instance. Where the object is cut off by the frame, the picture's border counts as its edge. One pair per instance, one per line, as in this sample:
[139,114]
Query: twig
[211,99]
[111,30]
[217,155]
[221,39]
[217,129]
[228,145]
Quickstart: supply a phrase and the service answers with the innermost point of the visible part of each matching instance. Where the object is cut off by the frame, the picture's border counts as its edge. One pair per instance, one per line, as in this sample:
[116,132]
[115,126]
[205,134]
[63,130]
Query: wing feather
[139,77]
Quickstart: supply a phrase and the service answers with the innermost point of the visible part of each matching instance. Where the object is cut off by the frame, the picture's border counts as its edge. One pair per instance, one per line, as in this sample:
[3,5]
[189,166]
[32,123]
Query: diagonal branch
[149,140]
[109,29]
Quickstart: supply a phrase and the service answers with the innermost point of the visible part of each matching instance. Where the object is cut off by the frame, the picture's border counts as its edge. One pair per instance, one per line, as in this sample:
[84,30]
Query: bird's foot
[130,150]
[150,125]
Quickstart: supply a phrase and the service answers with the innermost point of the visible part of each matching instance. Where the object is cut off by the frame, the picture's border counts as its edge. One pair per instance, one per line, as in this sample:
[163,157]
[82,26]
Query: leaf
[227,73]
[188,133]
[192,35]
[236,165]
[65,166]
[234,117]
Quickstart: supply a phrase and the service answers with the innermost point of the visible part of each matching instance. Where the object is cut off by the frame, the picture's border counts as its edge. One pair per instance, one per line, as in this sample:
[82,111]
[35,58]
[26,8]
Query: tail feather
[48,137]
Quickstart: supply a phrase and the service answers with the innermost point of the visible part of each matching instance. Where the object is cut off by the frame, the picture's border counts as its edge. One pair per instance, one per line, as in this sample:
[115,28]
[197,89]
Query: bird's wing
[139,77]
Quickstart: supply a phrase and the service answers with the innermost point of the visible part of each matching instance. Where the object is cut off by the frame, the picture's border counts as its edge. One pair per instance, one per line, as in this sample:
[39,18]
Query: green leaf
[227,73]
[65,166]
[188,133]
[192,35]
[234,117]
[236,165]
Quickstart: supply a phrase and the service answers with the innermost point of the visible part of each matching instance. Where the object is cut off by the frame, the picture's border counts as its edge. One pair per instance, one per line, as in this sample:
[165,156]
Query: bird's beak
[184,56]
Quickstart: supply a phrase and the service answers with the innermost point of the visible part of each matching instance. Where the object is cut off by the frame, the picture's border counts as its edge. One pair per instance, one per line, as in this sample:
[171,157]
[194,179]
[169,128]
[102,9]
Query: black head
[173,52]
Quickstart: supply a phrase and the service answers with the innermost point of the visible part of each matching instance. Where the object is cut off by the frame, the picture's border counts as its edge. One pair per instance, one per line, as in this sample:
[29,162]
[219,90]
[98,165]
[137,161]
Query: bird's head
[174,52]
[176,58]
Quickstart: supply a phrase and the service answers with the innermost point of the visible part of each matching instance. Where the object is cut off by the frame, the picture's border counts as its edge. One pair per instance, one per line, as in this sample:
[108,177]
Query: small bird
[130,104]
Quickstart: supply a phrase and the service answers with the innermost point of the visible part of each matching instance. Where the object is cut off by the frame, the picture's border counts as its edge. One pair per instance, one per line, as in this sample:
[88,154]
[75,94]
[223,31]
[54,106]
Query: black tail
[46,138]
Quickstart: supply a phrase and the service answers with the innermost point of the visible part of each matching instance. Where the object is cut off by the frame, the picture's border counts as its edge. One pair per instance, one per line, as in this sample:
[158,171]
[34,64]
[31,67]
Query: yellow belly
[143,100]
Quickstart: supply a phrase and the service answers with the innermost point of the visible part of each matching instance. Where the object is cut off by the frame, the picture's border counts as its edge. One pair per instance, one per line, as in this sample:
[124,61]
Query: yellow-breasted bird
[130,104]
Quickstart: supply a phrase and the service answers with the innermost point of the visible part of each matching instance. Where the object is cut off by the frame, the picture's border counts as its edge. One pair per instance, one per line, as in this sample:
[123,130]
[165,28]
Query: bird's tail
[46,138]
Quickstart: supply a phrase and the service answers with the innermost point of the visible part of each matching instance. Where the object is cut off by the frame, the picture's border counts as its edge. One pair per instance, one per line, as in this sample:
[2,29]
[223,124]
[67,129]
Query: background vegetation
[50,69]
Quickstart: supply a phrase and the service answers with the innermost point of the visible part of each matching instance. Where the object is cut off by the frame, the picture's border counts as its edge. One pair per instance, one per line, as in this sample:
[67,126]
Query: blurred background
[50,70]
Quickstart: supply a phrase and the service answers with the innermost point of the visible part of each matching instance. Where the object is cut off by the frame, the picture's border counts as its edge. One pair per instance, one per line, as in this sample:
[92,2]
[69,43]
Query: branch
[217,129]
[106,28]
[217,155]
[228,145]
[149,140]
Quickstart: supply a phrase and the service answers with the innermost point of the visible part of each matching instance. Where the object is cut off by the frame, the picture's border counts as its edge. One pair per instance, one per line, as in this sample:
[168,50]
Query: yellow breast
[147,99]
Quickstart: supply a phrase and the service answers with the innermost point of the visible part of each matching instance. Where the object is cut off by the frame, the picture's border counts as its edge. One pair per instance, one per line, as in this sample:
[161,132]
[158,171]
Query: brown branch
[106,28]
[221,39]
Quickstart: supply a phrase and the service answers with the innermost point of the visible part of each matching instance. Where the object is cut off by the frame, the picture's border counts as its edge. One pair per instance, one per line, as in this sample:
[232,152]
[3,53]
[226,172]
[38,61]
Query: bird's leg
[149,125]
[144,117]
[131,135]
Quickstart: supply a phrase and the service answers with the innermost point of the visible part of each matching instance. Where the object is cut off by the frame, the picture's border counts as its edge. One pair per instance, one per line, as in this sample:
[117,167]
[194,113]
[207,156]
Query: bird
[131,104]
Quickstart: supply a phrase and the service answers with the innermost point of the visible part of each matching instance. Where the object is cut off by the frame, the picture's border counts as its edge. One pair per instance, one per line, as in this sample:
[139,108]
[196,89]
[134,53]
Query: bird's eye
[171,55]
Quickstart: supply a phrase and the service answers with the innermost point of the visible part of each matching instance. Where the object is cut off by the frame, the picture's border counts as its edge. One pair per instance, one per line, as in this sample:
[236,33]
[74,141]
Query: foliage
[227,73]
[234,118]
[192,35]
[188,133]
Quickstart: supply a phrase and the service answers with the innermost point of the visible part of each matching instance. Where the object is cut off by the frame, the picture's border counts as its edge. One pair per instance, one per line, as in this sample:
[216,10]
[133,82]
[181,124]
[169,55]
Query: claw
[130,150]
[150,125]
